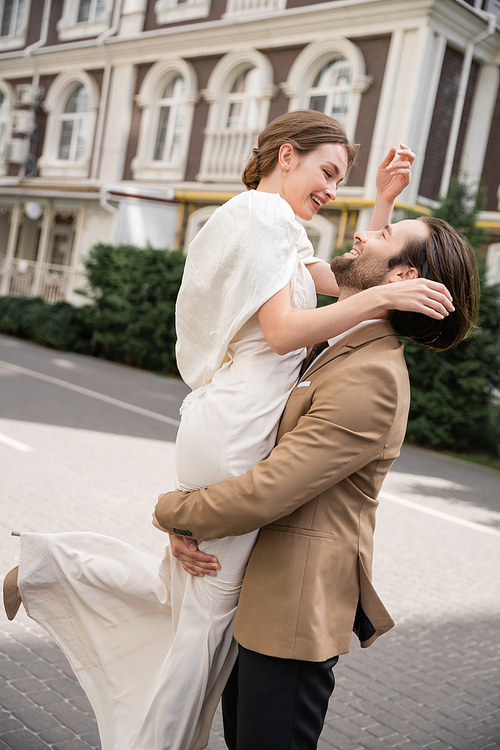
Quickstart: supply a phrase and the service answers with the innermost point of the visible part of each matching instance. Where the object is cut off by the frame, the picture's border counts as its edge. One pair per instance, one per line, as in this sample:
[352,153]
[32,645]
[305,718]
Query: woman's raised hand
[394,174]
[419,295]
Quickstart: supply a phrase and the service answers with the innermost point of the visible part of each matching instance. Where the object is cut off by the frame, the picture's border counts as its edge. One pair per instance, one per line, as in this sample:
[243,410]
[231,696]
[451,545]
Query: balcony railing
[29,278]
[225,153]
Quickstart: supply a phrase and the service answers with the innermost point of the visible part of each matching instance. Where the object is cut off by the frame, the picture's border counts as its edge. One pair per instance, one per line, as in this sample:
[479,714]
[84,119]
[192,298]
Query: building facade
[129,121]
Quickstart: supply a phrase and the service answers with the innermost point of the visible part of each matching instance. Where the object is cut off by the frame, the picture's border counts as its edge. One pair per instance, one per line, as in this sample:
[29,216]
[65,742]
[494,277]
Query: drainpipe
[27,53]
[459,103]
[40,43]
[101,43]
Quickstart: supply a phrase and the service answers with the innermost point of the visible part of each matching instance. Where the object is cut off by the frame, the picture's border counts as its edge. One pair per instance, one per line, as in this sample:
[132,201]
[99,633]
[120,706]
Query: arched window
[167,98]
[243,101]
[239,91]
[71,105]
[4,120]
[329,76]
[331,89]
[171,117]
[75,126]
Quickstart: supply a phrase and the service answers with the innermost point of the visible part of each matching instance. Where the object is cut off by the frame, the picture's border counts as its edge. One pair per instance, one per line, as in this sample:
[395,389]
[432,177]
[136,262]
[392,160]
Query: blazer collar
[359,337]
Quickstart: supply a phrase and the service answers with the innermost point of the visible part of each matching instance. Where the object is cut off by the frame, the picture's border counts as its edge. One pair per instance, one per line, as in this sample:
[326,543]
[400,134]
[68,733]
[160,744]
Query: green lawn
[493,463]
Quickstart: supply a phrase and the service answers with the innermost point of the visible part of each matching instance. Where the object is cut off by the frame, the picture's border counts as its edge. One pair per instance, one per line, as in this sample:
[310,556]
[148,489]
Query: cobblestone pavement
[71,461]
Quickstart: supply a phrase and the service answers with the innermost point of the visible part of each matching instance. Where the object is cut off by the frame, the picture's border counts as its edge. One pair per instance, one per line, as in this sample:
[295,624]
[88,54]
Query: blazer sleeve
[344,429]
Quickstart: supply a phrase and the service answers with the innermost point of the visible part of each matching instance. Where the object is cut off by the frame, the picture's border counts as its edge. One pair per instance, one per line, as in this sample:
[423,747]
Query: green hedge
[59,325]
[130,318]
[133,291]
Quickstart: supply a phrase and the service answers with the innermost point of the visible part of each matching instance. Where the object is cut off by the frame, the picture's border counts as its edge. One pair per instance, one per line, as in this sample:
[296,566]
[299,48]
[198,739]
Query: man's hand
[193,561]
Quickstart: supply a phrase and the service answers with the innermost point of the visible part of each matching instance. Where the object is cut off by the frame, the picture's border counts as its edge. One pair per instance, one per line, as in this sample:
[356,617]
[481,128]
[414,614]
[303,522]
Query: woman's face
[312,180]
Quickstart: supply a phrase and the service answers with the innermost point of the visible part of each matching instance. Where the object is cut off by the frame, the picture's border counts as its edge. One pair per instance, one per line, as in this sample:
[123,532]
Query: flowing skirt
[151,645]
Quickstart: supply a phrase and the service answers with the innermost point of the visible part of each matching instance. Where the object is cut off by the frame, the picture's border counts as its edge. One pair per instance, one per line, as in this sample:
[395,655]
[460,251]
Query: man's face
[366,265]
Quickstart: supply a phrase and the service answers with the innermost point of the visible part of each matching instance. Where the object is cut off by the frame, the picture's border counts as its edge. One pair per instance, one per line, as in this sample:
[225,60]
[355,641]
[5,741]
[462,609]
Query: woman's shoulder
[259,205]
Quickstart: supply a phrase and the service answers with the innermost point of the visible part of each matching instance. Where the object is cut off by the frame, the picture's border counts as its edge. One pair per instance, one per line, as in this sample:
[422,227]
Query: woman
[151,645]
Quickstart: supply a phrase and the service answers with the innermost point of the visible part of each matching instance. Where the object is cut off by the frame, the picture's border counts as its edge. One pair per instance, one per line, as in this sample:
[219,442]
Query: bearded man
[308,582]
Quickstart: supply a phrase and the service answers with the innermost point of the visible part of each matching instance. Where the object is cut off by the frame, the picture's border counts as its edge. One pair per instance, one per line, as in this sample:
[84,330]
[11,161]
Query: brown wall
[135,123]
[34,22]
[437,142]
[203,67]
[281,60]
[491,171]
[55,15]
[375,51]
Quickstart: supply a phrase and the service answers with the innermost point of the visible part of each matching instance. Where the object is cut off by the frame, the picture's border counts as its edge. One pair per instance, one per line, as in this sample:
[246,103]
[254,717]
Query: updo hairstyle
[305,130]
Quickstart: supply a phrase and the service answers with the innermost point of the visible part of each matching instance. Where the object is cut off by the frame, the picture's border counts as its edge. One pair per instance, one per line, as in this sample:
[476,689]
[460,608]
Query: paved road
[87,444]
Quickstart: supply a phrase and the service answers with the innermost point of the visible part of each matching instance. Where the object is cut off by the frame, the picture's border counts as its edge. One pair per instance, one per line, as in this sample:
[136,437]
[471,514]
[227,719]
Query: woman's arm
[324,278]
[286,329]
[393,176]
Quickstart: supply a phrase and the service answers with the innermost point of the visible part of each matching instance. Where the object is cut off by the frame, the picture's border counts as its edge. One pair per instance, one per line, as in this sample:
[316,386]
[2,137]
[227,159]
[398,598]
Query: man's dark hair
[445,256]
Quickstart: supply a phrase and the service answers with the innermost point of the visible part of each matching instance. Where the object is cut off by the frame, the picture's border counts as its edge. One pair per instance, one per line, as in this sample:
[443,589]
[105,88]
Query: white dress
[152,646]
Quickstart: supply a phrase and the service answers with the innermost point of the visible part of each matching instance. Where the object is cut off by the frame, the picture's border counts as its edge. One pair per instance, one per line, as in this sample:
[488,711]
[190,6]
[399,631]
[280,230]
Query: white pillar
[48,220]
[478,131]
[117,126]
[11,247]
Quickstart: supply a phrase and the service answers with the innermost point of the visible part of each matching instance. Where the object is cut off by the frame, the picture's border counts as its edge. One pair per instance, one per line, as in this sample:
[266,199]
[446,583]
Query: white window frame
[253,7]
[168,11]
[18,37]
[308,64]
[144,167]
[49,163]
[219,84]
[69,28]
[8,93]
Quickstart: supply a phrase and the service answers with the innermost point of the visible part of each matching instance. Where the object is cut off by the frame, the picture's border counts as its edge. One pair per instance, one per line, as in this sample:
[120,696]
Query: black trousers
[276,704]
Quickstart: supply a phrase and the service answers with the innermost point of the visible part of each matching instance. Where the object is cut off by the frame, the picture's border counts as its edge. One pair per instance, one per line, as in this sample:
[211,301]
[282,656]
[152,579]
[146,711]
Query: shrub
[130,318]
[133,292]
[453,392]
[58,325]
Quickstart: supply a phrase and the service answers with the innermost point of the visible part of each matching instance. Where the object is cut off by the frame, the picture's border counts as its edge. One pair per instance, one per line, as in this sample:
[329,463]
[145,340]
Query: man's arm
[335,438]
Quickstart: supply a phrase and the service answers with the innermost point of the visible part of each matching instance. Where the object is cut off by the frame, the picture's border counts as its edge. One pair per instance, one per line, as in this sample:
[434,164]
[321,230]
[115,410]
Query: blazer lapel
[359,337]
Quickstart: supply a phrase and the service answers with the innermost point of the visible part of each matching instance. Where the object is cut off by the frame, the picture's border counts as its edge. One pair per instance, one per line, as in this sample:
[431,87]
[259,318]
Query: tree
[454,393]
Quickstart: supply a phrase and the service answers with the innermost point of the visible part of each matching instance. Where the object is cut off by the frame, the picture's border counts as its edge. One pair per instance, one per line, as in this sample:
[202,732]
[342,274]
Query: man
[308,581]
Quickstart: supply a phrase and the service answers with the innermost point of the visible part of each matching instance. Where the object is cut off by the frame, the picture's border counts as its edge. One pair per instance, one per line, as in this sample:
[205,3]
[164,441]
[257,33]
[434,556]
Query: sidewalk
[432,682]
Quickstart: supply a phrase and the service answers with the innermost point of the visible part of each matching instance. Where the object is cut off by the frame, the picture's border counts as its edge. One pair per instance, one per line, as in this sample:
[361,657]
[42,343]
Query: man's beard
[357,274]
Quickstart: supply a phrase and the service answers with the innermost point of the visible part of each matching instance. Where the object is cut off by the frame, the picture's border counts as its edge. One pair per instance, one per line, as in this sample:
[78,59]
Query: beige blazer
[308,581]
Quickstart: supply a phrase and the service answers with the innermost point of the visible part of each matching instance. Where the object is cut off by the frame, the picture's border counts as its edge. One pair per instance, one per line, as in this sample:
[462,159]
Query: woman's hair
[305,130]
[445,256]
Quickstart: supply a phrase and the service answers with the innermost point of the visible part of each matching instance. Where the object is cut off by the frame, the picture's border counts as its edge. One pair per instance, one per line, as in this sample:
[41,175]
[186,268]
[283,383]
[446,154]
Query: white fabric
[245,253]
[151,645]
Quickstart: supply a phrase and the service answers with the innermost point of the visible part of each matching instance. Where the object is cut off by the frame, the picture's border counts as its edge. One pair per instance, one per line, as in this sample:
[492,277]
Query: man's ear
[402,273]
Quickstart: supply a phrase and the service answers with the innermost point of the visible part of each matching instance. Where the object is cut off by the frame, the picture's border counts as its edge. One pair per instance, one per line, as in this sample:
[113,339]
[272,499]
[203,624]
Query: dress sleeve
[244,254]
[305,250]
